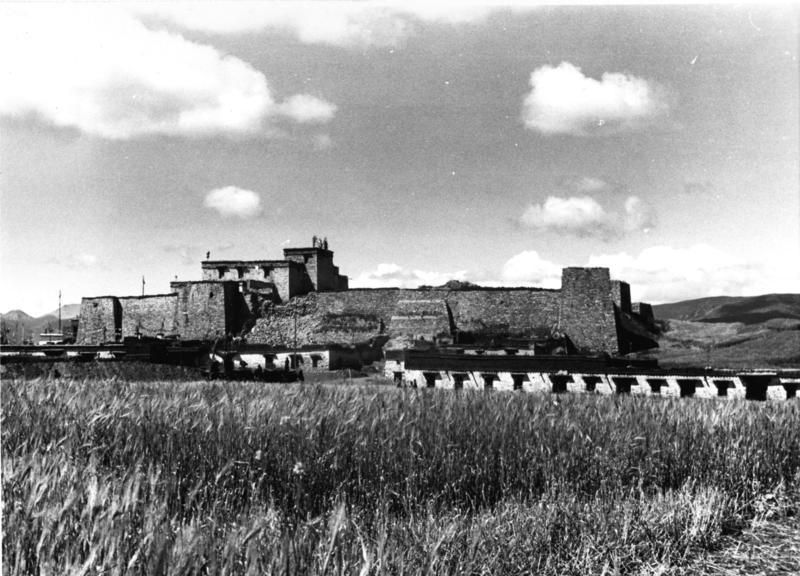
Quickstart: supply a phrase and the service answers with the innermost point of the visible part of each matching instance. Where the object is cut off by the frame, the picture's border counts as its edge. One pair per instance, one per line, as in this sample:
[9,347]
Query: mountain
[732,332]
[744,309]
[67,311]
[17,326]
[16,316]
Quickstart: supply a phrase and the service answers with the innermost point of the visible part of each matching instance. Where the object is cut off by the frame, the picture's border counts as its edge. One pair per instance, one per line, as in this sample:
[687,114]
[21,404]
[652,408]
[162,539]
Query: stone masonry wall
[587,309]
[421,318]
[360,314]
[148,315]
[205,310]
[99,320]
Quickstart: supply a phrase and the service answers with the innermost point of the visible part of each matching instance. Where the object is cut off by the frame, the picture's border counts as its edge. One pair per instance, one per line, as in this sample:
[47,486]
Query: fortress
[304,300]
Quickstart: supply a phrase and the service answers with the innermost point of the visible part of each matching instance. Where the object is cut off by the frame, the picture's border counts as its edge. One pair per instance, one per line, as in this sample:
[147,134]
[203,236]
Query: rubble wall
[358,315]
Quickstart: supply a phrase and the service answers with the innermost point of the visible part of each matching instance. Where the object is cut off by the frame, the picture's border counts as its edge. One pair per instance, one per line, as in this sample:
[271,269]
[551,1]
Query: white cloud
[667,274]
[307,109]
[579,216]
[233,201]
[387,275]
[346,24]
[529,269]
[563,100]
[585,217]
[101,70]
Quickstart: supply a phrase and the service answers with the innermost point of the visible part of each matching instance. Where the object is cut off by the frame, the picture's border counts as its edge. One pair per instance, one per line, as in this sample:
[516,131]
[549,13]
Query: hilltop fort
[303,300]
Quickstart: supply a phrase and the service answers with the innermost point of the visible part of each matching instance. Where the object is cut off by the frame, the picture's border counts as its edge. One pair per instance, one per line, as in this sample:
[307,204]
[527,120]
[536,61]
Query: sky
[427,141]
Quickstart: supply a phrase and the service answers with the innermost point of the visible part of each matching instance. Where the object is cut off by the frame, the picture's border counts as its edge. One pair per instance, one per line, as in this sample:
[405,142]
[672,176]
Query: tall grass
[175,478]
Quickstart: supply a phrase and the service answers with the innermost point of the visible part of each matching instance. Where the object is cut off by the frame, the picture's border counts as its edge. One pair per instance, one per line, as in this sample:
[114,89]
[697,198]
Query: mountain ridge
[745,309]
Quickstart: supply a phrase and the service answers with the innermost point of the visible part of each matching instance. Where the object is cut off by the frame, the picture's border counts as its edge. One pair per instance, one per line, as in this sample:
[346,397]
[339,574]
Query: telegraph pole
[142,285]
[59,313]
[294,359]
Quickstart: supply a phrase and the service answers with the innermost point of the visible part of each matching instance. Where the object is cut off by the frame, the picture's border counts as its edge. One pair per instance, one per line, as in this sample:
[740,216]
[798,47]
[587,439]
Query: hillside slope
[744,309]
[730,332]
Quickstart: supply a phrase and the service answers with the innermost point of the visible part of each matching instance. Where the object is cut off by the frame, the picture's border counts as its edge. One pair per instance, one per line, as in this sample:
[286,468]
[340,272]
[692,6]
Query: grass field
[114,477]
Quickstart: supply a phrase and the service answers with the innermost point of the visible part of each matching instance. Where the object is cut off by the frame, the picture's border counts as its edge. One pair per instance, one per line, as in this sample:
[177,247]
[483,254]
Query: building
[303,300]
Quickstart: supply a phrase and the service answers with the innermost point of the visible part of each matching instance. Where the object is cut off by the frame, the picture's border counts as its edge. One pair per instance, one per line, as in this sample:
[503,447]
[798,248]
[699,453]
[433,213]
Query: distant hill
[16,316]
[727,331]
[16,324]
[67,311]
[744,309]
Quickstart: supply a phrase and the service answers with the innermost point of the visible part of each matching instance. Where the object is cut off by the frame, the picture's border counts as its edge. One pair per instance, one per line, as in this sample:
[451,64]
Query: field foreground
[111,477]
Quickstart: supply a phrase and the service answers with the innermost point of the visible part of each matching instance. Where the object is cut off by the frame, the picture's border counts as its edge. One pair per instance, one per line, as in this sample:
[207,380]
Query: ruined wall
[517,312]
[587,309]
[361,314]
[148,315]
[99,321]
[426,319]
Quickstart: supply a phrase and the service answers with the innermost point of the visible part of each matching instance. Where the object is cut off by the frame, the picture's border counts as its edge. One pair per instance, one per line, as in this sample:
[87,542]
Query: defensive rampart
[357,315]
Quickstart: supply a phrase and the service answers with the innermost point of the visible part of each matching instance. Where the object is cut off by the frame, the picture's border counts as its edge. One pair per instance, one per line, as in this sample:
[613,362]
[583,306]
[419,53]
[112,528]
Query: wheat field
[125,477]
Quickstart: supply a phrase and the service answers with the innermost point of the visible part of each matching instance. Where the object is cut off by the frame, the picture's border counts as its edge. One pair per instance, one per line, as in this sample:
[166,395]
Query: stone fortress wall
[303,299]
